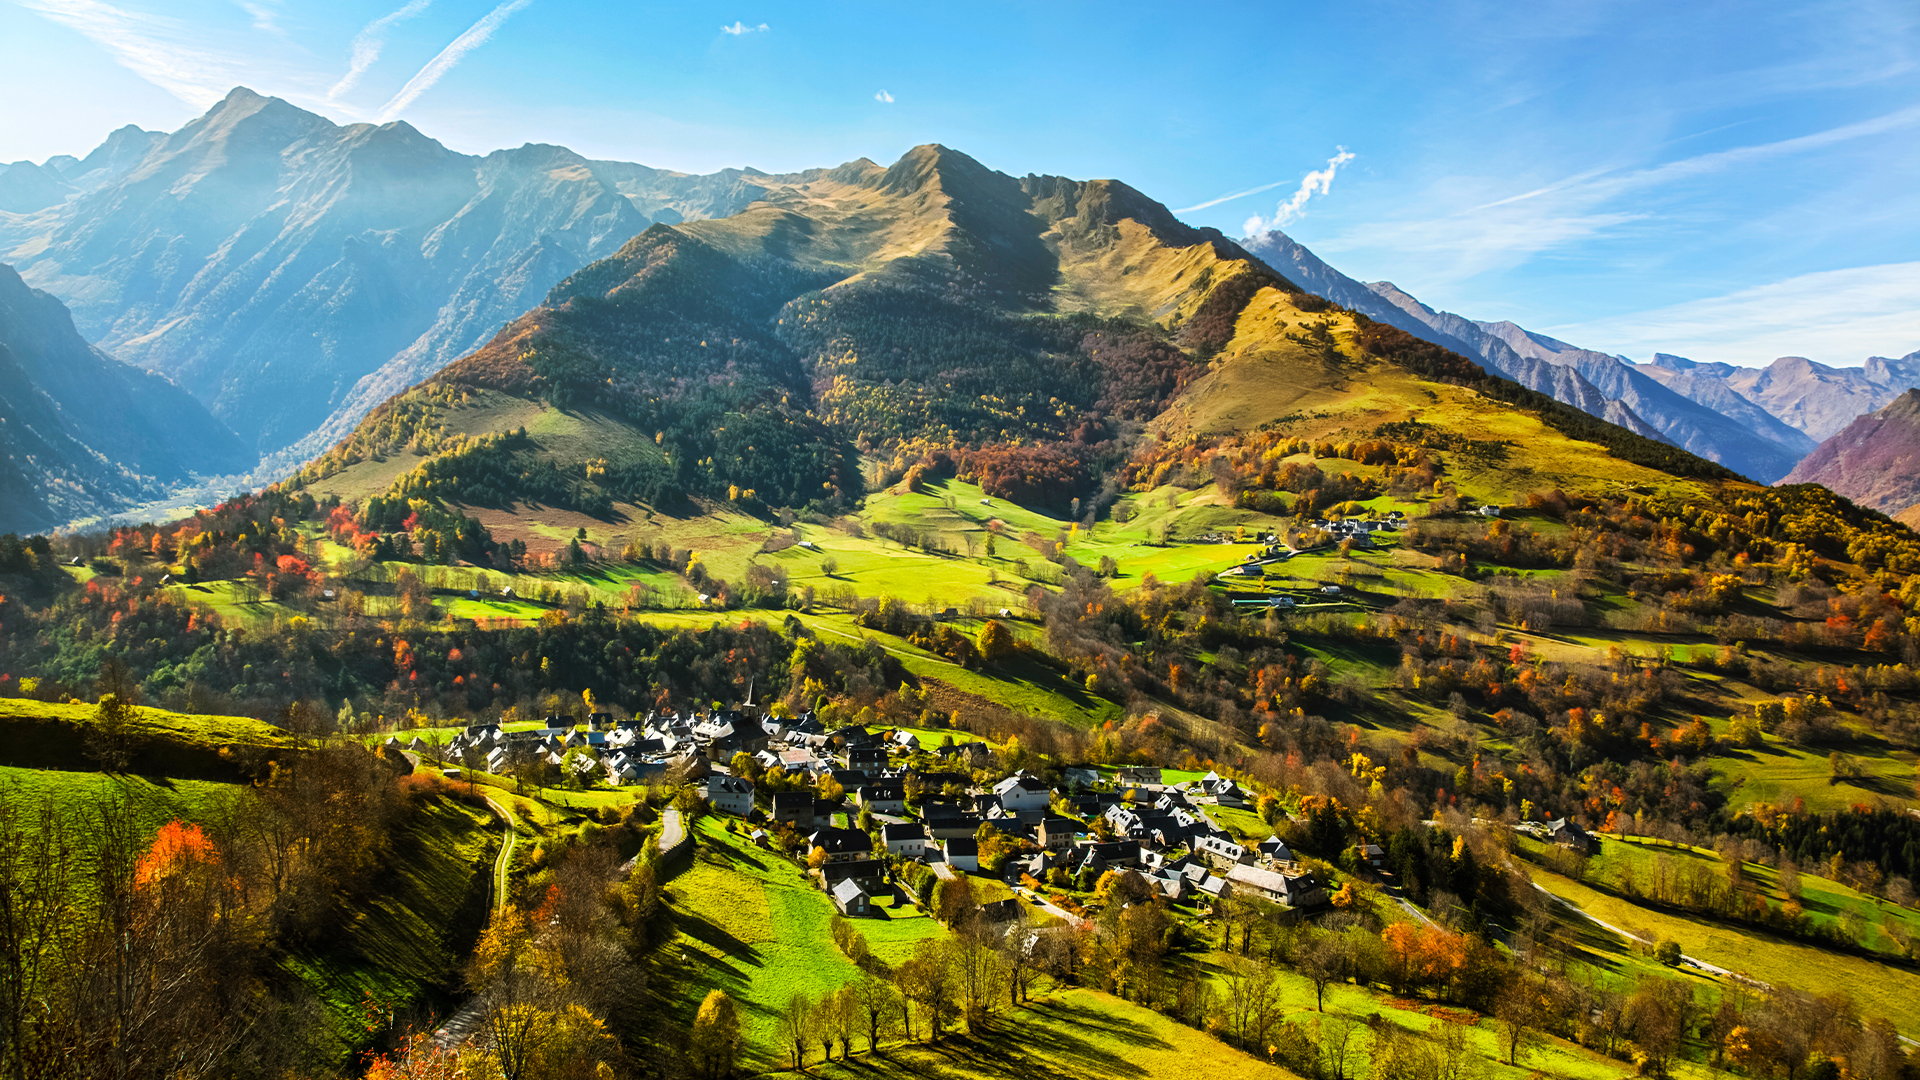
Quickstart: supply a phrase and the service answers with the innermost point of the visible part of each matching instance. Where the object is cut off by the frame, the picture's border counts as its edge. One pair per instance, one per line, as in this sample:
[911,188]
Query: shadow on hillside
[707,933]
[1041,1045]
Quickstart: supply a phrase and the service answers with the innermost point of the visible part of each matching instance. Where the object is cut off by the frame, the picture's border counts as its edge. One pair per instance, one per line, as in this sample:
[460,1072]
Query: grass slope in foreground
[1073,1034]
[751,925]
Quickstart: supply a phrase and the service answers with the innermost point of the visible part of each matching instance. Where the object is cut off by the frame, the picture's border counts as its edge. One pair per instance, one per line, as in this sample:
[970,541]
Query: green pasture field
[1778,772]
[751,924]
[1824,900]
[1551,1056]
[186,728]
[1245,825]
[1878,989]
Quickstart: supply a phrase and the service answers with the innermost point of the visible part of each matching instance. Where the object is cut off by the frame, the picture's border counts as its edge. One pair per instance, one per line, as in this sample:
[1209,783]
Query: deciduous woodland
[938,623]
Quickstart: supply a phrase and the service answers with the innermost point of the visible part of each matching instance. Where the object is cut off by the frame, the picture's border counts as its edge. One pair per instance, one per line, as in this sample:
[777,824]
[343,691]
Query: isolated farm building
[1567,834]
[851,900]
[730,794]
[1000,911]
[1373,856]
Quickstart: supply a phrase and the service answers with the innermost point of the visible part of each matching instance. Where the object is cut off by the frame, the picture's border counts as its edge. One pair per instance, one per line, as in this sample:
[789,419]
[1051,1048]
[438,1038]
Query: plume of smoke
[1317,182]
[476,36]
[368,43]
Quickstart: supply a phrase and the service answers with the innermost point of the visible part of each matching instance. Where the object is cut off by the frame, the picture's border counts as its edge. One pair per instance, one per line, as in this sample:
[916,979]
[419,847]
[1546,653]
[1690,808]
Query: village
[791,782]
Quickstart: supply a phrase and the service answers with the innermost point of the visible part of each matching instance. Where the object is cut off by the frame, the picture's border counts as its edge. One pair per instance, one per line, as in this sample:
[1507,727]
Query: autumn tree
[37,863]
[796,1027]
[995,641]
[878,1004]
[110,737]
[1321,957]
[926,980]
[1521,1010]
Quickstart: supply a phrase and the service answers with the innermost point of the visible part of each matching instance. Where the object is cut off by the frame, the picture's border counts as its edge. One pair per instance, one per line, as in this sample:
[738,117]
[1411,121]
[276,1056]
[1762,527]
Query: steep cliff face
[82,433]
[1875,461]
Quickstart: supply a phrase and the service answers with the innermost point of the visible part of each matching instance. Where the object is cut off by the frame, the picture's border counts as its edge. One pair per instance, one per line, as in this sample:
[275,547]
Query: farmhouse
[1291,890]
[794,808]
[730,795]
[851,900]
[841,845]
[908,841]
[883,797]
[1022,792]
[962,853]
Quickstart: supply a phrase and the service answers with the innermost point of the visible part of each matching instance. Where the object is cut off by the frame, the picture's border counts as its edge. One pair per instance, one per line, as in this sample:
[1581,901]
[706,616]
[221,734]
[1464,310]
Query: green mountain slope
[1025,326]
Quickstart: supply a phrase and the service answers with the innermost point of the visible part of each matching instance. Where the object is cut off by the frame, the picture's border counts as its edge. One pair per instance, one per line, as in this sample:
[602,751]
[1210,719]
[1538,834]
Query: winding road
[504,864]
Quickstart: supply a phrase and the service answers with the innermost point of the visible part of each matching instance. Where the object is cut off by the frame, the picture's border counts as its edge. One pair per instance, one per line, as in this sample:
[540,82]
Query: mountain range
[82,433]
[293,273]
[1758,421]
[939,312]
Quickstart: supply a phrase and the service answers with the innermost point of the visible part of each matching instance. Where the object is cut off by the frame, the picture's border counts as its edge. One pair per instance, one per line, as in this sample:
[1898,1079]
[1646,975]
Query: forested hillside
[1582,753]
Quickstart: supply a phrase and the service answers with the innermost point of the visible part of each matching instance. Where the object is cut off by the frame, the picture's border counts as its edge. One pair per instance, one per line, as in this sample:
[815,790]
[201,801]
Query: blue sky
[1729,181]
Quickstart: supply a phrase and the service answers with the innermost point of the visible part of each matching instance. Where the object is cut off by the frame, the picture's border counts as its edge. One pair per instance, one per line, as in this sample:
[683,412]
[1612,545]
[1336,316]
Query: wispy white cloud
[476,36]
[1501,231]
[883,98]
[265,15]
[163,51]
[739,28]
[1862,311]
[369,41]
[1229,198]
[1317,182]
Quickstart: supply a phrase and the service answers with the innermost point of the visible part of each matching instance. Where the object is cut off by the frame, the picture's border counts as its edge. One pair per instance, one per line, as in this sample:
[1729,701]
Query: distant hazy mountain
[292,273]
[82,433]
[1728,429]
[1813,397]
[1875,461]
